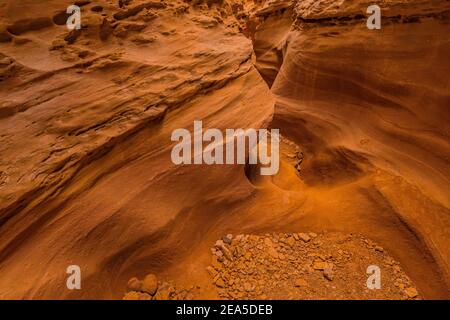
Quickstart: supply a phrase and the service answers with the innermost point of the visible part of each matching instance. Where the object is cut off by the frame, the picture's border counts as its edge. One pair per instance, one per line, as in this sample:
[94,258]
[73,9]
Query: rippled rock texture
[86,118]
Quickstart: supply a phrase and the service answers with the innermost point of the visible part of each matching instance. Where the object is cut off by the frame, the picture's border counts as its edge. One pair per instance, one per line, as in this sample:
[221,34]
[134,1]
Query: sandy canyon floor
[86,176]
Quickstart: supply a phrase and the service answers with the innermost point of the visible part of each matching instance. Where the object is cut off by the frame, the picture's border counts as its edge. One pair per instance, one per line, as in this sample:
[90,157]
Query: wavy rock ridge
[86,118]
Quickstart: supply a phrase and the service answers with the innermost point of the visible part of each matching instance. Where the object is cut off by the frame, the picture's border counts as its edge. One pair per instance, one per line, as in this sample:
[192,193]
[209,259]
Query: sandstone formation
[86,117]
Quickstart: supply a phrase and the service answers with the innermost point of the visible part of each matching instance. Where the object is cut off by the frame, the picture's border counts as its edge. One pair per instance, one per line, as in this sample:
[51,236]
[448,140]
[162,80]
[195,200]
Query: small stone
[238,251]
[211,271]
[304,237]
[227,253]
[290,241]
[220,283]
[312,235]
[272,252]
[411,292]
[219,244]
[150,284]
[134,284]
[379,249]
[228,238]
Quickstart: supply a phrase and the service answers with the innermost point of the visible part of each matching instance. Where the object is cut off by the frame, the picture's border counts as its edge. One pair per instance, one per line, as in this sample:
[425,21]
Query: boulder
[150,284]
[134,284]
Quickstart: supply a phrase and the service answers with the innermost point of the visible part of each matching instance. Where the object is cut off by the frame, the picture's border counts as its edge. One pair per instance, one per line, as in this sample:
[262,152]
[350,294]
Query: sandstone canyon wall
[86,119]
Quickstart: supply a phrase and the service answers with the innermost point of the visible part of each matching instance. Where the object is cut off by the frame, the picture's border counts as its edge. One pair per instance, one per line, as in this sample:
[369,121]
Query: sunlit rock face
[370,107]
[86,118]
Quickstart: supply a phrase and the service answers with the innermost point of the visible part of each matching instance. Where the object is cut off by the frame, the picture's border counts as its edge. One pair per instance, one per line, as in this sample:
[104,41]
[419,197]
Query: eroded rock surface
[86,118]
[81,112]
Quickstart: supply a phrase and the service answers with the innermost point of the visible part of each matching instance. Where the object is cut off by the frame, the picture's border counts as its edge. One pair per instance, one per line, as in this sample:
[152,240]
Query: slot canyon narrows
[87,122]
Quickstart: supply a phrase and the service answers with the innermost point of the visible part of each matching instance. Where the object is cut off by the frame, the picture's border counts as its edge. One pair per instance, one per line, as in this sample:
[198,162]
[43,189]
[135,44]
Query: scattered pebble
[303,266]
